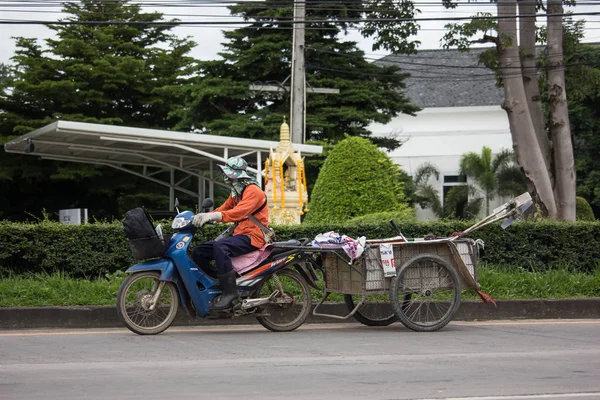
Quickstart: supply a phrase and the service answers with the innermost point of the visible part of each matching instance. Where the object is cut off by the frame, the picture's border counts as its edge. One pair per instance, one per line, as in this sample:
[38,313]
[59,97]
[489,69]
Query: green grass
[500,283]
[518,283]
[58,290]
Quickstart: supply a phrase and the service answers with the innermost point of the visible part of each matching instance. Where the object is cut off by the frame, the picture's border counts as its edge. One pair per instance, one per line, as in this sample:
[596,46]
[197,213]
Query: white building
[461,113]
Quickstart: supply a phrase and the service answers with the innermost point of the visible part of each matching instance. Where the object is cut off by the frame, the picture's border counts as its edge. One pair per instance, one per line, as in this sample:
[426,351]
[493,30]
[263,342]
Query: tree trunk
[525,142]
[560,130]
[527,40]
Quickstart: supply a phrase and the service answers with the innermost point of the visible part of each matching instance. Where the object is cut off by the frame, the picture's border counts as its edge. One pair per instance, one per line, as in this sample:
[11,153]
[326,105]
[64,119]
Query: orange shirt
[252,198]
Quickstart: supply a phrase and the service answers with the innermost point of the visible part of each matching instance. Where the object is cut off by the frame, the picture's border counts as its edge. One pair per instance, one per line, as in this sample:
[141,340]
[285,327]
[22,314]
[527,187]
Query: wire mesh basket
[341,276]
[456,252]
[374,276]
[469,254]
[362,275]
[366,274]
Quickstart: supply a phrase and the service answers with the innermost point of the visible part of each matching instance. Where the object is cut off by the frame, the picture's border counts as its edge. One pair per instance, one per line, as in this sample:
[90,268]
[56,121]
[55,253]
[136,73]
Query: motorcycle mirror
[207,203]
[177,205]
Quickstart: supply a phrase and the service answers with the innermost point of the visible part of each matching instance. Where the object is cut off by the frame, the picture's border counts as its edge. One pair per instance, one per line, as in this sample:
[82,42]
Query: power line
[253,4]
[304,21]
[169,14]
[26,3]
[45,8]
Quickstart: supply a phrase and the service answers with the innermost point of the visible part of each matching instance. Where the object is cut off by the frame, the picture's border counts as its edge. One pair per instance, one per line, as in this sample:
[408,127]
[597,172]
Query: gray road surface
[487,360]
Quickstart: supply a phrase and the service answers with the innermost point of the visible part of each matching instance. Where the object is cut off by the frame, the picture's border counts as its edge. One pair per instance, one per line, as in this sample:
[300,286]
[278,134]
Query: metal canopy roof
[147,152]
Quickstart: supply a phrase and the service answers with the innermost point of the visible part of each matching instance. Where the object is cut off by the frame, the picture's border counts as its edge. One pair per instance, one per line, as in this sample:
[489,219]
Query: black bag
[143,239]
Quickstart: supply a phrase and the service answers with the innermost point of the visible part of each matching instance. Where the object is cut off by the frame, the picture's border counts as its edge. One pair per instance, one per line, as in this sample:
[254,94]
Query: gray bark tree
[543,150]
[558,124]
[527,42]
[525,141]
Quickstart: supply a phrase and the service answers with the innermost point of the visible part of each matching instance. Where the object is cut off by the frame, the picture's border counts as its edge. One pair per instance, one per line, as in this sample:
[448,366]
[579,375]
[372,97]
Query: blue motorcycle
[276,289]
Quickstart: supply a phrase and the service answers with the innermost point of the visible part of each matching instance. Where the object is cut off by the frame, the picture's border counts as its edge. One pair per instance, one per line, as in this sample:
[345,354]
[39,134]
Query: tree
[425,195]
[97,73]
[390,35]
[558,121]
[583,92]
[544,151]
[498,175]
[462,202]
[459,203]
[4,73]
[357,179]
[219,102]
[104,73]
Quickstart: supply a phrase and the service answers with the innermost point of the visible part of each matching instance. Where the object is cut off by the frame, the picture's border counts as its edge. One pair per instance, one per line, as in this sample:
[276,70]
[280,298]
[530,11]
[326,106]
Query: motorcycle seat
[247,262]
[277,249]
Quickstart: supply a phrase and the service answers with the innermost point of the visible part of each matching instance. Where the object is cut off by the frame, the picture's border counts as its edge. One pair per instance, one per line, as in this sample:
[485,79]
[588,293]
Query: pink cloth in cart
[246,262]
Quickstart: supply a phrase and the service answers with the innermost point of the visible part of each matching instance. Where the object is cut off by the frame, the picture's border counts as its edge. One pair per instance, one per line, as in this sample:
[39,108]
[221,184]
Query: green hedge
[98,248]
[405,213]
[584,211]
[357,178]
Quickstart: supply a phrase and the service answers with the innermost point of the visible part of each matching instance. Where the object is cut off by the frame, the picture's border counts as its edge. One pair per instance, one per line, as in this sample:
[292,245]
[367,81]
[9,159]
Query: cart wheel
[425,293]
[373,312]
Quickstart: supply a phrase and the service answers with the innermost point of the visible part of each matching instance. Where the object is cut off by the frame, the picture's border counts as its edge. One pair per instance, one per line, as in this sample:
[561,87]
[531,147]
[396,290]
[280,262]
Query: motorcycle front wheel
[133,303]
[290,307]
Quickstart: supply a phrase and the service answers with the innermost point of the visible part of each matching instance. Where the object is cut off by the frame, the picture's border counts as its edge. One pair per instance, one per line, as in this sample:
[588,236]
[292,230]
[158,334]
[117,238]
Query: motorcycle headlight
[179,223]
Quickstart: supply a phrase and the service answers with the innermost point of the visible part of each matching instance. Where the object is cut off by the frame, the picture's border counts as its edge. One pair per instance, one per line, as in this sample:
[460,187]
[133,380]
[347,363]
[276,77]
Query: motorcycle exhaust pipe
[252,303]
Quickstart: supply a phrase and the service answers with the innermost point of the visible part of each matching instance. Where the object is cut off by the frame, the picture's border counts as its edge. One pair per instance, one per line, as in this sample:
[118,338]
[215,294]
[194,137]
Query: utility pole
[297,105]
[298,86]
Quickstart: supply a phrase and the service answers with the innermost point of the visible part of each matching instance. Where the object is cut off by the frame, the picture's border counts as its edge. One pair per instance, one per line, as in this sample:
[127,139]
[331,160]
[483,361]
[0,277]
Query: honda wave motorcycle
[276,289]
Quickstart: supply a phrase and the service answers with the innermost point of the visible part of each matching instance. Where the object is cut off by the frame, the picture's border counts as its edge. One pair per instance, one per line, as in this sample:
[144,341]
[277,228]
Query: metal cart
[423,290]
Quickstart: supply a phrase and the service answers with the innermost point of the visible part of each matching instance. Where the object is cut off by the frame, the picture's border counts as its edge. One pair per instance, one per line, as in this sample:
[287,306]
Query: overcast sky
[209,39]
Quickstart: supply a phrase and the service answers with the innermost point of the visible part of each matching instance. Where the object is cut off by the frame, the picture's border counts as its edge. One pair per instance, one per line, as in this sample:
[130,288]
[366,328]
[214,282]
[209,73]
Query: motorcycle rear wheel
[290,310]
[132,307]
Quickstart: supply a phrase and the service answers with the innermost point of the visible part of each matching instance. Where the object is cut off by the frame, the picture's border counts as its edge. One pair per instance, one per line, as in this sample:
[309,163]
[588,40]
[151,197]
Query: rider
[245,199]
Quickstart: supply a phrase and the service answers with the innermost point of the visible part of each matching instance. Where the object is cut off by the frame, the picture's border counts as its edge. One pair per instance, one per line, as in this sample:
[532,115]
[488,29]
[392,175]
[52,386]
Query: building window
[455,179]
[451,181]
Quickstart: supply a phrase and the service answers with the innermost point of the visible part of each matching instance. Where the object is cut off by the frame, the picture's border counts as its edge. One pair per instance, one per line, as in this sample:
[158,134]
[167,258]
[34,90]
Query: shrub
[49,246]
[404,214]
[356,179]
[583,210]
[99,248]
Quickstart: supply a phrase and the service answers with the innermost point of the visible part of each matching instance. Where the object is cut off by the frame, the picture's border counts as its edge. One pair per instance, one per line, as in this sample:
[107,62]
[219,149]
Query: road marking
[220,328]
[546,322]
[523,396]
[311,327]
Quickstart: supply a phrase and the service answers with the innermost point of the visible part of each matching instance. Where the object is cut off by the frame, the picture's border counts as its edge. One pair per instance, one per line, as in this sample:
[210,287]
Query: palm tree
[425,195]
[456,202]
[499,175]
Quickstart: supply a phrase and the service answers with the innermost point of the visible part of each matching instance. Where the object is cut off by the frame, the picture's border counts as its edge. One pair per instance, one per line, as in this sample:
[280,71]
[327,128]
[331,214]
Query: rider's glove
[203,218]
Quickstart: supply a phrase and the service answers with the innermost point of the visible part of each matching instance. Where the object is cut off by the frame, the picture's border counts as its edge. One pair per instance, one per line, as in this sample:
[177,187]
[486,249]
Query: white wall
[443,119]
[442,135]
